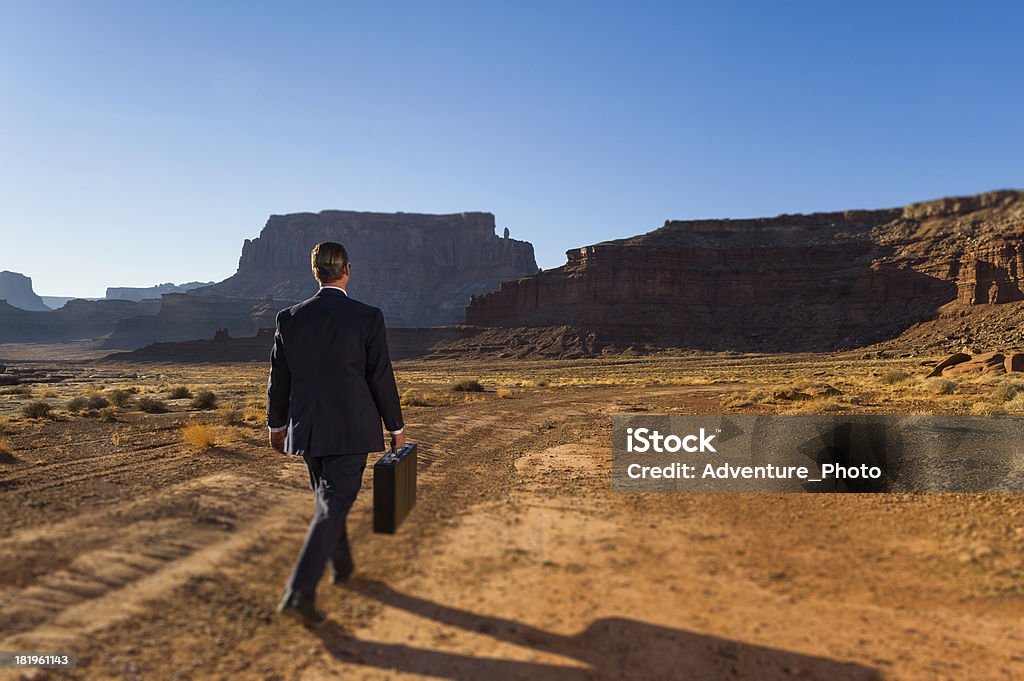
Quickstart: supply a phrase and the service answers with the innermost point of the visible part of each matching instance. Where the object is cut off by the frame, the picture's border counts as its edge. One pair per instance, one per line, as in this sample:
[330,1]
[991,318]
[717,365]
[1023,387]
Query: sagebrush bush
[76,404]
[120,397]
[181,392]
[468,385]
[151,405]
[199,436]
[37,410]
[96,401]
[204,399]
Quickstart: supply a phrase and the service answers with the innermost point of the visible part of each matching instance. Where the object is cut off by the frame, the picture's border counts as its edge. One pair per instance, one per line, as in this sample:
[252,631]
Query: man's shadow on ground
[611,648]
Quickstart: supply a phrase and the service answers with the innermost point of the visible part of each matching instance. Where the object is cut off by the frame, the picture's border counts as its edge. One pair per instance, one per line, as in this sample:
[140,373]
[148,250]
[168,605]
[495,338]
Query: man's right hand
[398,441]
[277,441]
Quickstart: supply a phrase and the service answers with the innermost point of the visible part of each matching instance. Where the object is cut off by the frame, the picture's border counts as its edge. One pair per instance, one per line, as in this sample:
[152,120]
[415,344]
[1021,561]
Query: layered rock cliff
[16,289]
[421,270]
[792,282]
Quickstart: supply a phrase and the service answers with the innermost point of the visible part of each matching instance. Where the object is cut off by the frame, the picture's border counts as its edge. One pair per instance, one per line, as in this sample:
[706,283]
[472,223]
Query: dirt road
[155,562]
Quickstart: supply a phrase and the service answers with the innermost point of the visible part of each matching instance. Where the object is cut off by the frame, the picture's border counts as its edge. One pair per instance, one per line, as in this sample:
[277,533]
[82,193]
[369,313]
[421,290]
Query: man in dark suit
[331,384]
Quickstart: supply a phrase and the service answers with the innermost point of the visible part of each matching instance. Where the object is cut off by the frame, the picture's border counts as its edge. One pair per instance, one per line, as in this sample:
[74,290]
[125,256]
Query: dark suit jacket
[331,381]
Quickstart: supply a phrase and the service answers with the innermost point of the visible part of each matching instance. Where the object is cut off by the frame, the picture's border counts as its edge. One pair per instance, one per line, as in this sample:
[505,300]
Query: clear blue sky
[142,142]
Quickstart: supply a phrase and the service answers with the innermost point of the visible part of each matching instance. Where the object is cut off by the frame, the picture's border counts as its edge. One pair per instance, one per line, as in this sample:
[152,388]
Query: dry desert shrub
[468,385]
[198,436]
[151,405]
[204,399]
[49,392]
[5,447]
[120,397]
[37,410]
[109,414]
[415,398]
[96,401]
[90,402]
[180,392]
[1004,392]
[1016,405]
[254,414]
[76,404]
[987,409]
[505,393]
[940,386]
[17,391]
[232,416]
[894,376]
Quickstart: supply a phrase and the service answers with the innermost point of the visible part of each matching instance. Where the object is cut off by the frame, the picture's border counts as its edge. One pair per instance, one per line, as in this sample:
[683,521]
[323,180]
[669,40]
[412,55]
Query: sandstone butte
[793,282]
[420,269]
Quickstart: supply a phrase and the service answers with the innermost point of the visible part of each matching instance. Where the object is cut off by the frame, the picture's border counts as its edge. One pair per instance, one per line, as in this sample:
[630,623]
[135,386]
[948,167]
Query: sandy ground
[153,561]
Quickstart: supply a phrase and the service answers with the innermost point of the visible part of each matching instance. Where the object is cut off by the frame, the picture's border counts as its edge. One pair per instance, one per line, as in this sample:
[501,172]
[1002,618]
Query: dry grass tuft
[505,393]
[940,386]
[5,447]
[199,436]
[894,376]
[415,398]
[987,409]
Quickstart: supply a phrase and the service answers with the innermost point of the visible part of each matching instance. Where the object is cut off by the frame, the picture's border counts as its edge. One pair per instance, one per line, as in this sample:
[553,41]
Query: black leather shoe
[342,566]
[301,609]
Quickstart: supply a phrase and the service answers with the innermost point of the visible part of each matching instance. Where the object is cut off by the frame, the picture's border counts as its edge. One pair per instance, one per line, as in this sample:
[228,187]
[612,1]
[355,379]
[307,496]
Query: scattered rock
[952,360]
[1014,362]
[985,363]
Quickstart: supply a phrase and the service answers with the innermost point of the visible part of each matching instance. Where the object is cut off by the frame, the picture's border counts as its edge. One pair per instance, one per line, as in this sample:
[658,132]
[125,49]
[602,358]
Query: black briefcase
[394,488]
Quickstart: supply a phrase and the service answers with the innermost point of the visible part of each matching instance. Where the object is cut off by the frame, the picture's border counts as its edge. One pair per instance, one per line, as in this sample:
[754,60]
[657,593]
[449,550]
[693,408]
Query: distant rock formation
[57,302]
[183,317]
[403,343]
[793,282]
[77,320]
[421,270]
[16,289]
[152,292]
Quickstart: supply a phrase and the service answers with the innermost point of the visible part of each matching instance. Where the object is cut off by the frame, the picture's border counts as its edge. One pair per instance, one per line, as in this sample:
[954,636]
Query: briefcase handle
[391,454]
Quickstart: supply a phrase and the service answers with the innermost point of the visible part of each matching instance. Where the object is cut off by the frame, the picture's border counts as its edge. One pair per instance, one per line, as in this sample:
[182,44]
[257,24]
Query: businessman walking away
[331,384]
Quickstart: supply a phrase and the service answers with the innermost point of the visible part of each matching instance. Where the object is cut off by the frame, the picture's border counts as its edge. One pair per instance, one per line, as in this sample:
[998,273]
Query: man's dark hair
[329,260]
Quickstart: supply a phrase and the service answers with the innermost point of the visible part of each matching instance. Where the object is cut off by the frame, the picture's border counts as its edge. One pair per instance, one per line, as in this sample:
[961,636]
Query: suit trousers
[335,481]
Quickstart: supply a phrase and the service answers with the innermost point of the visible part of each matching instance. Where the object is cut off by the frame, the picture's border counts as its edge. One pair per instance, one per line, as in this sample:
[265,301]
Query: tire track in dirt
[122,568]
